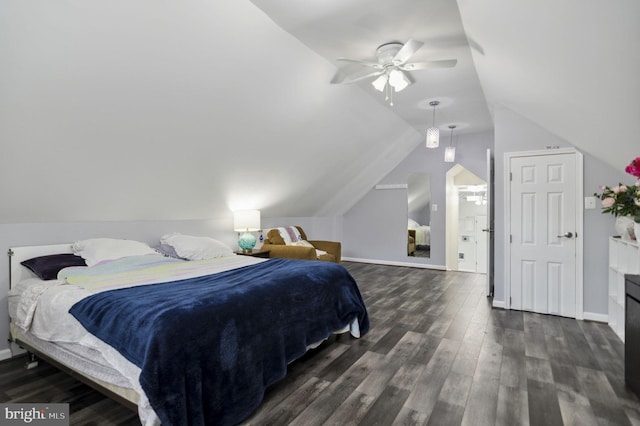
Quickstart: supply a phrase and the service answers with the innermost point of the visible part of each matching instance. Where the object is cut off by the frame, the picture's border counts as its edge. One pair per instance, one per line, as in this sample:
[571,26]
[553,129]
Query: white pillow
[305,243]
[302,243]
[95,250]
[196,248]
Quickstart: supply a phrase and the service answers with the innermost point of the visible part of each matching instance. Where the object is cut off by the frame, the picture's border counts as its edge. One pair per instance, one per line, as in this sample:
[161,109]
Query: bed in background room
[195,335]
[422,234]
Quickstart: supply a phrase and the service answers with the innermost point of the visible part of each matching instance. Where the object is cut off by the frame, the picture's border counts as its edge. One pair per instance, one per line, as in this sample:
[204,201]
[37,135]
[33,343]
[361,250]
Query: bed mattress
[81,360]
[51,330]
[55,333]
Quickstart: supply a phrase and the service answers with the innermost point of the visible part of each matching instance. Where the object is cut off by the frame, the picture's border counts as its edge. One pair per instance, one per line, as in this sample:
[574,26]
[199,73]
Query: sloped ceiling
[572,67]
[355,28]
[145,110]
[189,110]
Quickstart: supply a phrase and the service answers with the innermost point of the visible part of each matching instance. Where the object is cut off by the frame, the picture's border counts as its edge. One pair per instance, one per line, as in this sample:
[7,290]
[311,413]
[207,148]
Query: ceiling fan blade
[343,78]
[414,66]
[365,63]
[407,51]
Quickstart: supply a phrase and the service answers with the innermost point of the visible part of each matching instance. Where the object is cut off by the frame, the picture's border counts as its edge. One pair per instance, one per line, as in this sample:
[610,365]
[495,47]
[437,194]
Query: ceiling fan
[391,66]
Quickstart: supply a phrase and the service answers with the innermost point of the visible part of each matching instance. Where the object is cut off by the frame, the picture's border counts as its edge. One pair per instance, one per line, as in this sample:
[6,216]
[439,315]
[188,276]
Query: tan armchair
[411,243]
[277,247]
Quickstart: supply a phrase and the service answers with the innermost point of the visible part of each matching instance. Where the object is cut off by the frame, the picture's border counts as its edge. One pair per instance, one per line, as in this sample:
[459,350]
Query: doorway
[466,243]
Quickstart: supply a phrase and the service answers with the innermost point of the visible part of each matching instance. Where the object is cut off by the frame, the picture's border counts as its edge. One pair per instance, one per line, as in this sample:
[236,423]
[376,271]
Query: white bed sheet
[41,308]
[423,234]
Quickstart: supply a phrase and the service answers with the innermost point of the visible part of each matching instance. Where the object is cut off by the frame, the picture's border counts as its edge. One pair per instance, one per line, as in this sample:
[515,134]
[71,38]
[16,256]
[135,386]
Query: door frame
[579,221]
[479,233]
[490,223]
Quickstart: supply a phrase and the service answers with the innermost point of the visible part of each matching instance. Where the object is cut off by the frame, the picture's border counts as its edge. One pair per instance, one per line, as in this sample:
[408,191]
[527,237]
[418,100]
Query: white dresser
[624,258]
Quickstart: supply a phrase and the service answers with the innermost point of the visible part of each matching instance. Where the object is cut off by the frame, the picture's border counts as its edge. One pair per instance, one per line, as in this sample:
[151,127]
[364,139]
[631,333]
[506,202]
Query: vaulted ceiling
[355,28]
[188,110]
[142,110]
[571,67]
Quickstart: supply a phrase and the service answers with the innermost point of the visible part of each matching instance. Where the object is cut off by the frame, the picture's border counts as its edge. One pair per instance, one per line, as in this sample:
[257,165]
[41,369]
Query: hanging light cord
[388,91]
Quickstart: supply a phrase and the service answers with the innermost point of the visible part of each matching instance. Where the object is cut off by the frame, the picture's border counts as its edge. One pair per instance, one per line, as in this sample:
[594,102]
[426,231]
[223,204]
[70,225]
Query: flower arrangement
[634,168]
[623,200]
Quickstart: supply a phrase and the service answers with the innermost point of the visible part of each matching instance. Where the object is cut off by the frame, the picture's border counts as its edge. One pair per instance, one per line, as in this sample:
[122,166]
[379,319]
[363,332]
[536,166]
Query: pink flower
[634,168]
[608,202]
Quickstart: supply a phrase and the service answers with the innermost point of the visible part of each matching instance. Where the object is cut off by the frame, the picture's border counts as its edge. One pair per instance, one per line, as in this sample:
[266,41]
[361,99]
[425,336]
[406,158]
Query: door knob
[487,230]
[566,235]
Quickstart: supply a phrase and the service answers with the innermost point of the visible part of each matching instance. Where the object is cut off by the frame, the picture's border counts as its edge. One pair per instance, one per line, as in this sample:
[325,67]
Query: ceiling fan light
[433,137]
[450,154]
[380,82]
[398,80]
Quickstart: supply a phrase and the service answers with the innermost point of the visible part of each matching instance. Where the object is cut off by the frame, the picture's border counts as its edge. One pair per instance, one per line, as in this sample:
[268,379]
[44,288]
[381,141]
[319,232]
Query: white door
[481,244]
[543,229]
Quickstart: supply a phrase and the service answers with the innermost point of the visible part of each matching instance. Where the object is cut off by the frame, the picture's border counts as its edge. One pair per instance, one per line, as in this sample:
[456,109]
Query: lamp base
[247,242]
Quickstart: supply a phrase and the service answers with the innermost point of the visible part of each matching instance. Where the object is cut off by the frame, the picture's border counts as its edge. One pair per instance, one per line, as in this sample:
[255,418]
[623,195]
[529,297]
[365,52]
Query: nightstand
[255,253]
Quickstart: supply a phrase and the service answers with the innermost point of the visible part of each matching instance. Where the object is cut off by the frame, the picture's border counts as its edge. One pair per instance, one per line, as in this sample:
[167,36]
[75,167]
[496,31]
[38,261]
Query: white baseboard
[591,316]
[5,354]
[588,316]
[395,263]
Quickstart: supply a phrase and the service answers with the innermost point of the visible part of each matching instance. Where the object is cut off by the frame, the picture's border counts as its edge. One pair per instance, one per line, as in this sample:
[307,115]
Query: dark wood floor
[436,354]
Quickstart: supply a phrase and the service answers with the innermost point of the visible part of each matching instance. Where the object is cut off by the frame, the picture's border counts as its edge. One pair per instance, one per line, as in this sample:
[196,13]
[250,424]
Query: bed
[182,341]
[422,233]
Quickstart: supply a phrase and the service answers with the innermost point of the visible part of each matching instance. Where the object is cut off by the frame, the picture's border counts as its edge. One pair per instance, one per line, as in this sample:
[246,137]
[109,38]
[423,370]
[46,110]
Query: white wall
[376,227]
[515,133]
[147,110]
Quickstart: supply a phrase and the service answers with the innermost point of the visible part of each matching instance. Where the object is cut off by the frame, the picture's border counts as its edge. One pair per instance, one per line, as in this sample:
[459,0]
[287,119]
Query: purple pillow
[47,267]
[167,251]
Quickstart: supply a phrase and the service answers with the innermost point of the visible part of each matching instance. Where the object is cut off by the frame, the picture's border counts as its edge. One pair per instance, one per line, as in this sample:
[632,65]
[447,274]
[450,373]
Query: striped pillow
[289,234]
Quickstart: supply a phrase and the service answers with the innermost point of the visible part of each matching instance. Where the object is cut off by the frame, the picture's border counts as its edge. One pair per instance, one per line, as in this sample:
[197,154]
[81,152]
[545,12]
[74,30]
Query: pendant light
[450,151]
[433,133]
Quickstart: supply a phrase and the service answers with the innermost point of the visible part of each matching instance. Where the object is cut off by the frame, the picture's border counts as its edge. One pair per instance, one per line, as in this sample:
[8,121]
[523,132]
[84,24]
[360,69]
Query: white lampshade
[398,80]
[380,82]
[246,220]
[433,137]
[450,154]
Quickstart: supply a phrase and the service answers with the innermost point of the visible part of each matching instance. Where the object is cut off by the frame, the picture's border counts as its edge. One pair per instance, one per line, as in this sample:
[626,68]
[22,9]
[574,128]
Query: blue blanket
[208,347]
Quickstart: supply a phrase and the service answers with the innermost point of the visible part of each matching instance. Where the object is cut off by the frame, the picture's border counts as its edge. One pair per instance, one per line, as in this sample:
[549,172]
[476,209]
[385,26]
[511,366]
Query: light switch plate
[589,203]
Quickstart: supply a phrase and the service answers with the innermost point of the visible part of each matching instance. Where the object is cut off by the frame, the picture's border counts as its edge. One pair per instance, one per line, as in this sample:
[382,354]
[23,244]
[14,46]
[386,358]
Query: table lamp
[245,222]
